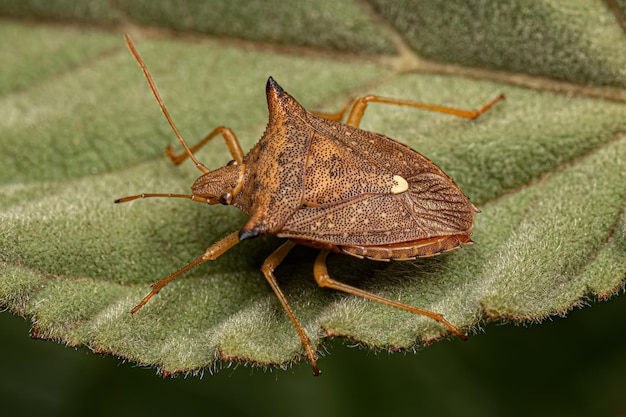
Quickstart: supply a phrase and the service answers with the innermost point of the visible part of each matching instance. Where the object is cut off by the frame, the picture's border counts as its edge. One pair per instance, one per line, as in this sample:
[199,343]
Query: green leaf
[574,41]
[80,128]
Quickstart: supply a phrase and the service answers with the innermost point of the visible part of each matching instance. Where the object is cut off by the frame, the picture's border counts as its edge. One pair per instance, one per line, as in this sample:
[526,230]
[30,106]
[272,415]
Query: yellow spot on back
[400,185]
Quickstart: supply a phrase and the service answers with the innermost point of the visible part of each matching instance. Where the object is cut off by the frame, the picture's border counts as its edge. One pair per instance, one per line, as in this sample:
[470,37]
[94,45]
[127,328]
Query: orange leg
[268,268]
[336,117]
[210,254]
[359,105]
[325,281]
[227,134]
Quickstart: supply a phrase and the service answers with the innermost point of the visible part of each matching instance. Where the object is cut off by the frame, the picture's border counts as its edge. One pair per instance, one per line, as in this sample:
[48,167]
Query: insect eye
[226,199]
[231,162]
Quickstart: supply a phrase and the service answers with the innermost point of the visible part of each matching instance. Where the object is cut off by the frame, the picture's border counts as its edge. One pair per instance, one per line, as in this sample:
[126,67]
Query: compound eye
[231,162]
[226,199]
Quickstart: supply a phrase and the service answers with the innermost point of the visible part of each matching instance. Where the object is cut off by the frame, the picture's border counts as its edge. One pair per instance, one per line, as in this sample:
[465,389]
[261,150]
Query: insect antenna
[167,195]
[146,73]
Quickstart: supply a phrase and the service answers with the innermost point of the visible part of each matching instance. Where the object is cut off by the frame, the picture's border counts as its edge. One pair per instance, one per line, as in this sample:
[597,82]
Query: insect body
[331,186]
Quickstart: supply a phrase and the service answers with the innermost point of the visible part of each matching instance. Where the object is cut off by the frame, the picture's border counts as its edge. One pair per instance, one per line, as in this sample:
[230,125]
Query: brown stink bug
[330,186]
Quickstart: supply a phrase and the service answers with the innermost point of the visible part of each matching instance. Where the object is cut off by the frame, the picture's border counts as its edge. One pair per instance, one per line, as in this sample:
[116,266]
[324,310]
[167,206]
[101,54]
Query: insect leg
[320,271]
[336,117]
[268,268]
[210,254]
[360,104]
[146,73]
[227,134]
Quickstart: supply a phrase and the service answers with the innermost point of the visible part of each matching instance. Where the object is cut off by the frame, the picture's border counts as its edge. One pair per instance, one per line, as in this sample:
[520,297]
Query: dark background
[563,367]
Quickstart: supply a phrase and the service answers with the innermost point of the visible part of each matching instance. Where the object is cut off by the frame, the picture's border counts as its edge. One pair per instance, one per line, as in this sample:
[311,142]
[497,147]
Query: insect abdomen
[409,250]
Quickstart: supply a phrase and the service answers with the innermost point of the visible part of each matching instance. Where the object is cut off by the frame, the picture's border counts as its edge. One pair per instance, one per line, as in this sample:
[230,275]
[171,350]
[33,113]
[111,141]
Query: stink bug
[330,186]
